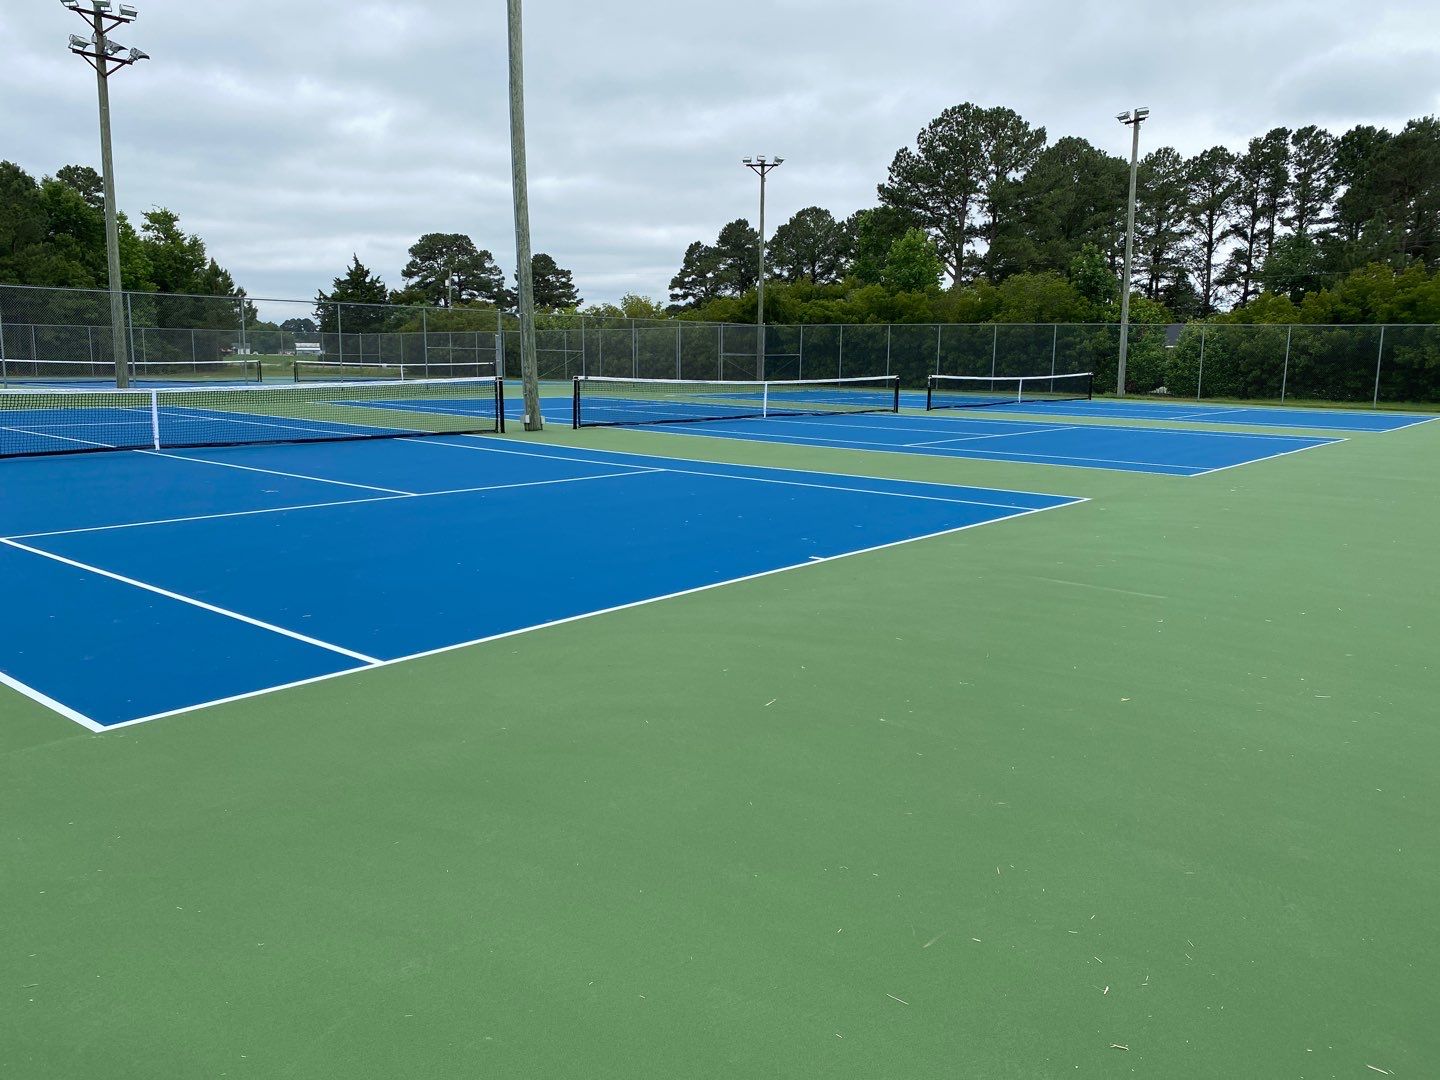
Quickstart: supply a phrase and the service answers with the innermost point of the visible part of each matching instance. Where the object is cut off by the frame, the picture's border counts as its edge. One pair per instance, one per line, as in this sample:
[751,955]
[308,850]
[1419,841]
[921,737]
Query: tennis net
[73,420]
[141,372]
[973,391]
[312,371]
[601,401]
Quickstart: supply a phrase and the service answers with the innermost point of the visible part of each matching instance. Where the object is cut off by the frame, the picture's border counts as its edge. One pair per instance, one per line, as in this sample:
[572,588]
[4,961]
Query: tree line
[52,233]
[445,270]
[1021,229]
[1292,215]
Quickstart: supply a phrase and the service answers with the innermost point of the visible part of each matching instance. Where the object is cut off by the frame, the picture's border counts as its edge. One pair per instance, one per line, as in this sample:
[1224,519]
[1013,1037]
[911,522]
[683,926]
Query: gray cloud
[291,135]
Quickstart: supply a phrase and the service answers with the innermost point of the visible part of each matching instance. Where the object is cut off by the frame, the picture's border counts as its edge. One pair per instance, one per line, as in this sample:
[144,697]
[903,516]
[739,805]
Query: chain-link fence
[181,335]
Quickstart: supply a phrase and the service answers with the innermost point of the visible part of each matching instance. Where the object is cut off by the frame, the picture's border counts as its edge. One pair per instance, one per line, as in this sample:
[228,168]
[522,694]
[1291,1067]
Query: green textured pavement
[1146,786]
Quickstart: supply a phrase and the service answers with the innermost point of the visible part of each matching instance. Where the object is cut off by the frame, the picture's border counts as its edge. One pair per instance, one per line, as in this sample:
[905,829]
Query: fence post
[1285,371]
[720,350]
[89,344]
[339,336]
[677,349]
[800,360]
[1200,375]
[887,348]
[244,341]
[634,351]
[937,348]
[994,347]
[1054,347]
[840,355]
[425,343]
[130,330]
[1380,353]
[582,344]
[193,357]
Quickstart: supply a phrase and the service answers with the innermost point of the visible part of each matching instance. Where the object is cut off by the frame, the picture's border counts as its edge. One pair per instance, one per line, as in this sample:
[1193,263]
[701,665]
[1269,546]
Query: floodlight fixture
[128,11]
[1134,118]
[78,42]
[112,47]
[136,54]
[100,5]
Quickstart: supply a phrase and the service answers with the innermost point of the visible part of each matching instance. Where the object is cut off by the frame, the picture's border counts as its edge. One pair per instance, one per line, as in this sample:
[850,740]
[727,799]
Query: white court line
[1004,435]
[401,406]
[49,703]
[1208,413]
[62,438]
[990,418]
[1268,457]
[329,505]
[177,414]
[850,422]
[274,472]
[800,483]
[582,616]
[201,604]
[205,517]
[1059,461]
[483,443]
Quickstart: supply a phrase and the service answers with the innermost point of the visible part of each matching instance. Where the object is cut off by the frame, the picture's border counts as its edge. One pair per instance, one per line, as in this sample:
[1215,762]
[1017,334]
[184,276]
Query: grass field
[1144,787]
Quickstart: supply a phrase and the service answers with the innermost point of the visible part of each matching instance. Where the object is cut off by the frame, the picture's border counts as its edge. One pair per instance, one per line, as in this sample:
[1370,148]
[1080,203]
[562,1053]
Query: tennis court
[593,752]
[852,414]
[159,553]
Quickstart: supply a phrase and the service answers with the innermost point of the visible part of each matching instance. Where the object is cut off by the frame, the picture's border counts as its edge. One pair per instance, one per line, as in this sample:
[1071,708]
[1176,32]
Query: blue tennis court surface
[961,434]
[141,584]
[557,410]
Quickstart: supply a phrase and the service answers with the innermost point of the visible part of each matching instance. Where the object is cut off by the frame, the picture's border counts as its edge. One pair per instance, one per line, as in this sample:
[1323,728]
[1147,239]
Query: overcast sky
[291,133]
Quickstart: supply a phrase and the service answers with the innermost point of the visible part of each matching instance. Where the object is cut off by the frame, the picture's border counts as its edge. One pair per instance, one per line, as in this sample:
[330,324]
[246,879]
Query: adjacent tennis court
[852,414]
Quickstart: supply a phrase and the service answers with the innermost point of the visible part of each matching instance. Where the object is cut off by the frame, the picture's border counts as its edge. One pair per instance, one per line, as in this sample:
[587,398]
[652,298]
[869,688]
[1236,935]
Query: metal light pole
[529,373]
[107,57]
[761,168]
[1134,118]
